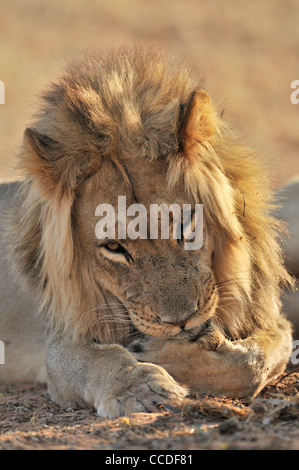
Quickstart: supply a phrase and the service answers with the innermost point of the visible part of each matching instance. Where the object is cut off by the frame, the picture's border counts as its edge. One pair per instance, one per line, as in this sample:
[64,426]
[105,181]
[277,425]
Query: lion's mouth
[191,328]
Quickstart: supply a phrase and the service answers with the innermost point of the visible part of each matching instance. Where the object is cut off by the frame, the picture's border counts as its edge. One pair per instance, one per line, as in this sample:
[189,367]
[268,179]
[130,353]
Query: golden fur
[129,123]
[117,104]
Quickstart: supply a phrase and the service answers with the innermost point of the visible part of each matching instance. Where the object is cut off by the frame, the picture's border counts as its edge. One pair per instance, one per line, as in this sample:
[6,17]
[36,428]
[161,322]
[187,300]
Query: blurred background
[247,52]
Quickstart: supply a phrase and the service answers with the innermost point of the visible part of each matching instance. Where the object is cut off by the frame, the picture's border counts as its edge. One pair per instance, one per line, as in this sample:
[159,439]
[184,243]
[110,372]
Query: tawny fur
[122,112]
[129,105]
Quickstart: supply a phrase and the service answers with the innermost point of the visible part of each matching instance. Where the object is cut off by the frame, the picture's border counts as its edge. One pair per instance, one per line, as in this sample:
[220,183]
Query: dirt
[30,421]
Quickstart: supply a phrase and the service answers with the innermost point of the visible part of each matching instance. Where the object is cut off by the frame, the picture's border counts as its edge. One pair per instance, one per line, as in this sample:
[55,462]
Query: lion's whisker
[232,280]
[234,272]
[231,283]
[113,306]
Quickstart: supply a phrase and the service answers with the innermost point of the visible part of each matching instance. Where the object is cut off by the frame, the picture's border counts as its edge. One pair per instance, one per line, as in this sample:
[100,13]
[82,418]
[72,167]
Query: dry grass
[248,52]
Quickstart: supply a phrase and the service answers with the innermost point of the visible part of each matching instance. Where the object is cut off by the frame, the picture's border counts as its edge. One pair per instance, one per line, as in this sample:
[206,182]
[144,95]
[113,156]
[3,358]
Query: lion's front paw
[141,389]
[159,351]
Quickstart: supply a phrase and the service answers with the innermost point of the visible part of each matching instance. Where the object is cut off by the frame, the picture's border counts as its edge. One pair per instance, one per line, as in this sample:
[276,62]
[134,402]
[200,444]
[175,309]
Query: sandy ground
[28,420]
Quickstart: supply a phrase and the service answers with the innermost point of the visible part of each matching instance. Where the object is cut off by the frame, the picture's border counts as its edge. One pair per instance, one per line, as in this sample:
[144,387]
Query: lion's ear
[47,161]
[38,159]
[198,121]
[44,147]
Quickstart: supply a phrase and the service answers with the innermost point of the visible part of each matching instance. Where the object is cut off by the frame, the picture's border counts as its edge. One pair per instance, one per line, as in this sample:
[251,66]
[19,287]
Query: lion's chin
[176,333]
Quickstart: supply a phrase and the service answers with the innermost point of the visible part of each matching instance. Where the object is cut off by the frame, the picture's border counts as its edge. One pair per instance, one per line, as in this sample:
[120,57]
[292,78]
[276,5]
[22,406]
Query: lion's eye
[116,248]
[113,246]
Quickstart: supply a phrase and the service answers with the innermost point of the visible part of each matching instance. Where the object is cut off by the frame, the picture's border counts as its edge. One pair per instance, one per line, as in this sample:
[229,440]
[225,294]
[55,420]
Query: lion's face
[130,125]
[167,290]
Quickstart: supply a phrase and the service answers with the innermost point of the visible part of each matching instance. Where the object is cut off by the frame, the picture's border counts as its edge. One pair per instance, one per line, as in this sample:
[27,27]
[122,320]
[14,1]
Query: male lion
[131,324]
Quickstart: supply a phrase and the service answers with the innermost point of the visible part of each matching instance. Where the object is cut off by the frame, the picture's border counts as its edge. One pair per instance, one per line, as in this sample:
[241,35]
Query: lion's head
[126,123]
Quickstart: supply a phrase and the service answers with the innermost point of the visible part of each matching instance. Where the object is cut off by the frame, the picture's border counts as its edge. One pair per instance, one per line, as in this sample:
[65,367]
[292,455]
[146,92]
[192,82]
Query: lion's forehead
[150,184]
[146,184]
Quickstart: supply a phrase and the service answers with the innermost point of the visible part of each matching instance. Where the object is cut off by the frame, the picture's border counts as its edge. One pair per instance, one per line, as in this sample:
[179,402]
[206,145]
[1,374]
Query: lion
[131,324]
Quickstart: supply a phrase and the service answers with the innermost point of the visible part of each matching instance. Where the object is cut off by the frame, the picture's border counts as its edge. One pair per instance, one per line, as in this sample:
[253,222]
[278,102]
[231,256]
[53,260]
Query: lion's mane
[134,103]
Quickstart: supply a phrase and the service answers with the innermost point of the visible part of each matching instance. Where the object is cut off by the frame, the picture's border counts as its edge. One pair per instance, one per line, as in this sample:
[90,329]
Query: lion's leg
[235,369]
[108,378]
